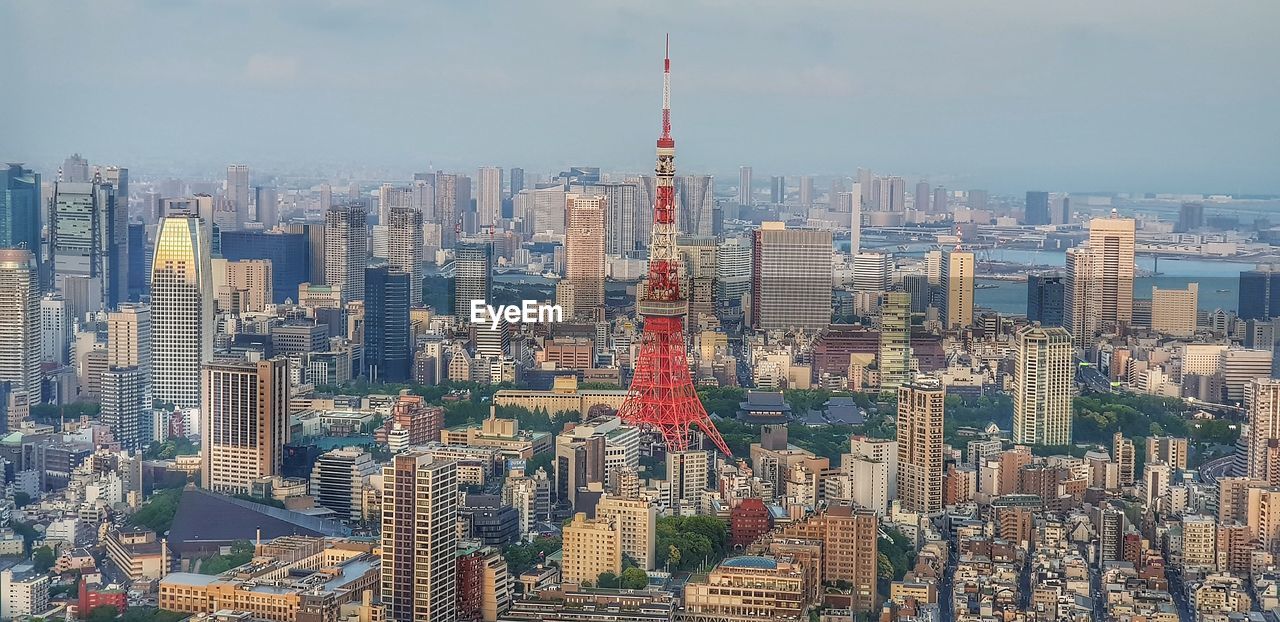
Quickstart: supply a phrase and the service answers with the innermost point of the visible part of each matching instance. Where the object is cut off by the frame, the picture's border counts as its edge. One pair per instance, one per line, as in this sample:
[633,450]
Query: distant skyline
[1155,96]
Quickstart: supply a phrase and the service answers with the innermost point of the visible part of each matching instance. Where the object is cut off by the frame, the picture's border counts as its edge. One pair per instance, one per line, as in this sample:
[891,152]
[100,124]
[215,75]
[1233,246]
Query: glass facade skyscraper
[20,209]
[386,324]
[1045,299]
[287,252]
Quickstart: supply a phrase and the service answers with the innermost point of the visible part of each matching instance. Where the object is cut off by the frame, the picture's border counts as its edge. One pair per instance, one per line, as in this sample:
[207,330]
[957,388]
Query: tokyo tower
[662,396]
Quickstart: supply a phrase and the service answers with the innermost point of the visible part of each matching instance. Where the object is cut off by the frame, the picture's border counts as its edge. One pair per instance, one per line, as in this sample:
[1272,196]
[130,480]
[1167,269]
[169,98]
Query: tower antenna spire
[666,90]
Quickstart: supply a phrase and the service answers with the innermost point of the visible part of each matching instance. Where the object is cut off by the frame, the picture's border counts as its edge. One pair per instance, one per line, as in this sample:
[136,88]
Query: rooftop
[750,561]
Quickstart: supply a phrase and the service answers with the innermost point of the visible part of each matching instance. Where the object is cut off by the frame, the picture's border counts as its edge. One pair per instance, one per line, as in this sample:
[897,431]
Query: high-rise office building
[404,248]
[181,310]
[244,422]
[419,538]
[238,193]
[1112,242]
[517,180]
[88,244]
[452,197]
[957,289]
[856,205]
[584,253]
[940,200]
[20,209]
[1173,311]
[346,246]
[287,251]
[1263,456]
[872,272]
[922,197]
[695,200]
[791,278]
[20,337]
[1190,217]
[889,194]
[976,199]
[805,190]
[777,189]
[55,329]
[1042,387]
[387,346]
[266,206]
[622,207]
[338,481]
[488,197]
[1045,299]
[126,406]
[473,276]
[920,420]
[75,169]
[895,340]
[242,286]
[744,185]
[1037,209]
[733,271]
[1259,297]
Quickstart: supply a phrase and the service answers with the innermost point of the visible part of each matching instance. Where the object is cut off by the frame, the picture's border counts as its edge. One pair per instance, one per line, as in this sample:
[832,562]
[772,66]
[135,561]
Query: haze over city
[1145,96]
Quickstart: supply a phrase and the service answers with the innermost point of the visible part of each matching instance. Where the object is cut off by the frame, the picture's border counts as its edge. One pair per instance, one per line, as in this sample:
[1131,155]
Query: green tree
[157,513]
[634,579]
[607,579]
[241,553]
[42,558]
[103,613]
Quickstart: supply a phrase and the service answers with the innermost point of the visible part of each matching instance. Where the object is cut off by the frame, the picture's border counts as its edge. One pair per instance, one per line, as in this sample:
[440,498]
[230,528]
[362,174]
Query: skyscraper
[920,420]
[126,406]
[1190,217]
[1079,316]
[266,205]
[238,193]
[1263,456]
[695,201]
[895,340]
[1042,387]
[517,180]
[20,209]
[404,248]
[419,538]
[584,252]
[1173,311]
[1045,299]
[744,185]
[622,206]
[940,200]
[88,243]
[244,422]
[55,329]
[791,278]
[75,169]
[957,286]
[733,271]
[488,197]
[387,347]
[1112,241]
[473,276]
[777,189]
[453,197]
[346,247]
[872,272]
[129,337]
[20,347]
[855,219]
[181,310]
[1037,210]
[922,197]
[806,190]
[1259,297]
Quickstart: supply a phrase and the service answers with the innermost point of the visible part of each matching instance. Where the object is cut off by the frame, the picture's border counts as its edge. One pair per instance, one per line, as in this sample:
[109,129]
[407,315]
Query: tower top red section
[666,141]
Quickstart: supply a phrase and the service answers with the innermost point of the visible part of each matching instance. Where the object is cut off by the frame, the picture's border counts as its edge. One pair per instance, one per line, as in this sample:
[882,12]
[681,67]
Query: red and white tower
[662,395]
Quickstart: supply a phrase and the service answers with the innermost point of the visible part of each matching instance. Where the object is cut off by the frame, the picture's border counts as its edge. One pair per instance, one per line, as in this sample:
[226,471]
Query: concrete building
[1169,450]
[244,423]
[405,248]
[1263,456]
[1173,311]
[419,539]
[791,278]
[749,588]
[23,592]
[126,406]
[584,248]
[920,417]
[637,522]
[1042,387]
[894,358]
[20,337]
[591,547]
[338,481]
[182,320]
[346,248]
[473,276]
[957,289]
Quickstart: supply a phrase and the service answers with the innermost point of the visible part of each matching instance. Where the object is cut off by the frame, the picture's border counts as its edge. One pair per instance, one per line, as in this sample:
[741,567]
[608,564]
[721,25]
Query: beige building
[850,550]
[182,321]
[920,415]
[1170,450]
[242,286]
[637,522]
[591,547]
[1078,310]
[129,337]
[1125,456]
[1099,291]
[404,248]
[564,396]
[957,286]
[1173,311]
[749,588]
[1042,386]
[244,423]
[872,467]
[1199,543]
[584,252]
[1263,461]
[20,337]
[419,538]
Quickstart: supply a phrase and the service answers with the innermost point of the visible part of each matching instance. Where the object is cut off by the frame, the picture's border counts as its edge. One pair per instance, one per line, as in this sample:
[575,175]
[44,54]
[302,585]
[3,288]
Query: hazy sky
[1155,95]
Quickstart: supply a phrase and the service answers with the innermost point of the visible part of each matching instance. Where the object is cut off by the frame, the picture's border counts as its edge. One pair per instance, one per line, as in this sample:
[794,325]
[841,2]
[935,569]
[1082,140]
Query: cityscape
[518,392]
